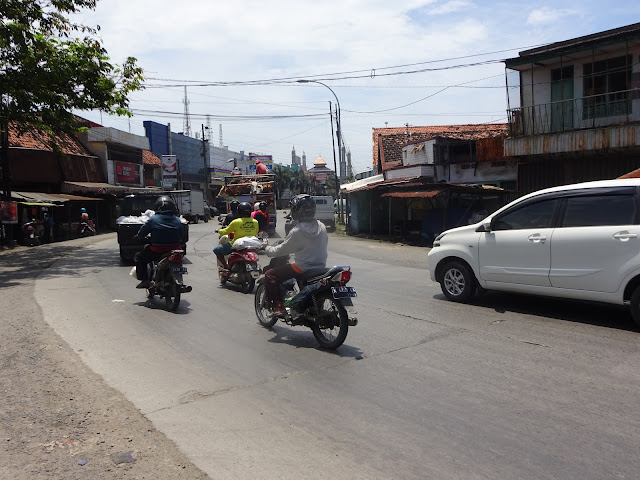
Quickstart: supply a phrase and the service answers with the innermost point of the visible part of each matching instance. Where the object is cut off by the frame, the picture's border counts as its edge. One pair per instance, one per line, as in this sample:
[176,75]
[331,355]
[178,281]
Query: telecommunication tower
[187,121]
[208,129]
[221,136]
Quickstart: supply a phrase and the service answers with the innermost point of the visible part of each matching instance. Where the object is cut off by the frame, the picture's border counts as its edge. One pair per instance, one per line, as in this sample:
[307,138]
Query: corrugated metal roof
[36,197]
[412,194]
[67,196]
[575,44]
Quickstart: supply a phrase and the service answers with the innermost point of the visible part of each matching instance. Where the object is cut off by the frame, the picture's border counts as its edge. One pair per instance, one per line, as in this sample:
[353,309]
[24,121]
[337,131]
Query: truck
[190,204]
[132,209]
[252,189]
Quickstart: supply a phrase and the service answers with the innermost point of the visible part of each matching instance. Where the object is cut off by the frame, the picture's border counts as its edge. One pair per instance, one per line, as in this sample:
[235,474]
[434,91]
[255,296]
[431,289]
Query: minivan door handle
[537,238]
[624,236]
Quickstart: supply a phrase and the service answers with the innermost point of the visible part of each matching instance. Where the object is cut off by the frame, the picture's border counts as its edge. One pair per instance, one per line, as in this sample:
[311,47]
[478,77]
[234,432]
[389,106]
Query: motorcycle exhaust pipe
[353,322]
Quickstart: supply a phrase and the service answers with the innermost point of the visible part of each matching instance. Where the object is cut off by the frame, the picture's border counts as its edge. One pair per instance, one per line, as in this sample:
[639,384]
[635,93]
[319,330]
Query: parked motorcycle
[319,300]
[166,279]
[242,267]
[30,232]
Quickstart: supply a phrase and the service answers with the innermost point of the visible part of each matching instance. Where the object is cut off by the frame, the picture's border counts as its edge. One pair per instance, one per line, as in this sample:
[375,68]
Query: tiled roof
[149,158]
[633,174]
[39,140]
[394,139]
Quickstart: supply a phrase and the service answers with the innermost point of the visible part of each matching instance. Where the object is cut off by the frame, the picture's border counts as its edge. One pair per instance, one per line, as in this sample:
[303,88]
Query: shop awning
[68,196]
[104,188]
[39,204]
[36,198]
[93,187]
[428,194]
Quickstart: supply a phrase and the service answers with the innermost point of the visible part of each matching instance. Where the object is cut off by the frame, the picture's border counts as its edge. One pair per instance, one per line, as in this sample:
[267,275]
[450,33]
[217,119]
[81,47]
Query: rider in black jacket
[166,235]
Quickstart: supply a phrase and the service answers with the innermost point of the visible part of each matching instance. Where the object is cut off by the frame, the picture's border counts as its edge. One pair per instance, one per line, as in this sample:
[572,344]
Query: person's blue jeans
[223,249]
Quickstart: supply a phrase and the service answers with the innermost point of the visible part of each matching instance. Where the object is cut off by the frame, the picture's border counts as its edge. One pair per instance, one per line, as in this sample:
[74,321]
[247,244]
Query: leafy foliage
[50,65]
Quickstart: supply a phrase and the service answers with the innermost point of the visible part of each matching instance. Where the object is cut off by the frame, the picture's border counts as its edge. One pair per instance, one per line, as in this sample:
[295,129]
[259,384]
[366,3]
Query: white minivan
[579,241]
[324,211]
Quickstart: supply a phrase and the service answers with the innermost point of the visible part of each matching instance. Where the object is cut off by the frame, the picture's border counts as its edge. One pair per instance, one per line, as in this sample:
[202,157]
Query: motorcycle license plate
[343,292]
[255,274]
[182,270]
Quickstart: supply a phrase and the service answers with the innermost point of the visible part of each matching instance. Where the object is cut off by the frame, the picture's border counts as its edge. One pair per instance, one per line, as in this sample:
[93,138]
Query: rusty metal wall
[490,149]
[81,169]
[538,174]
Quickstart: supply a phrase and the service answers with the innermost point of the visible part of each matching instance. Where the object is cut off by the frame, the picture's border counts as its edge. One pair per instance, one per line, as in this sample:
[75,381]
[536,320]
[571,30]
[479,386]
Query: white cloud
[548,15]
[254,39]
[450,7]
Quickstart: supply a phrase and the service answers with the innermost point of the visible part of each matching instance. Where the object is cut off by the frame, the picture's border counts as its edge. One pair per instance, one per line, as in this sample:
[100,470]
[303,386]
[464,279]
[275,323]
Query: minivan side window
[532,215]
[599,210]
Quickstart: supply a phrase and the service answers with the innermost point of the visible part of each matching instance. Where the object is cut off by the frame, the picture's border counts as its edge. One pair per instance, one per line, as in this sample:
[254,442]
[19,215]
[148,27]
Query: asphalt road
[507,387]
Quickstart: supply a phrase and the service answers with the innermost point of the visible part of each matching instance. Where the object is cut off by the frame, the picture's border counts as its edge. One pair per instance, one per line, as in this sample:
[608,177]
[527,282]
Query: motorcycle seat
[312,276]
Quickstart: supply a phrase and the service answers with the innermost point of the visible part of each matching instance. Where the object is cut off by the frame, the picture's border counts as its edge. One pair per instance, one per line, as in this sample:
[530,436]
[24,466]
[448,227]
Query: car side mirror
[484,227]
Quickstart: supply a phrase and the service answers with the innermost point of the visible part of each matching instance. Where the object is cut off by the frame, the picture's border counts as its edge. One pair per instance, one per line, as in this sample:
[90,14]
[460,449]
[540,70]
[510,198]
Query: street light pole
[207,174]
[338,134]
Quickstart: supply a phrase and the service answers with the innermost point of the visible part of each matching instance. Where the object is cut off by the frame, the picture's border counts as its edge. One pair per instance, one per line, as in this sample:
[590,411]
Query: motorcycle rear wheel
[172,296]
[332,335]
[264,314]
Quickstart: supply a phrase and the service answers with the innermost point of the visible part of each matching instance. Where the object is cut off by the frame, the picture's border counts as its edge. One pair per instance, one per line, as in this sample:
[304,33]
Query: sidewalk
[58,418]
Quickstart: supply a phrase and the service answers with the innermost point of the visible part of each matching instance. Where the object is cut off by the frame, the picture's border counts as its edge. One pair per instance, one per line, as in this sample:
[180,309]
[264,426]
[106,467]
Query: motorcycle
[87,229]
[242,266]
[319,300]
[30,234]
[166,279]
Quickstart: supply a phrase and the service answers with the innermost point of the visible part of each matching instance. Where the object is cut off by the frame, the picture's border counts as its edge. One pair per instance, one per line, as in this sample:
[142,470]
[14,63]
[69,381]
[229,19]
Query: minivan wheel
[635,306]
[457,282]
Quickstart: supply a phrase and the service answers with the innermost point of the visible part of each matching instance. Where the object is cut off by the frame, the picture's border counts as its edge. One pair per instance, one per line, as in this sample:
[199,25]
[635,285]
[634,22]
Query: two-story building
[574,109]
[431,178]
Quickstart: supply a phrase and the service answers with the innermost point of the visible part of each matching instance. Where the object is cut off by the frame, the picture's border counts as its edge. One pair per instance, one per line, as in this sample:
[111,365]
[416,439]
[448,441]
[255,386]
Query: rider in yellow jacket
[245,226]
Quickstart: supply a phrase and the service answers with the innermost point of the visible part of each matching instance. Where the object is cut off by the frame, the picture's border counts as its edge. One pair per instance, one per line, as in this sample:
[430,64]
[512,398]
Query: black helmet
[165,204]
[262,206]
[303,208]
[233,206]
[245,209]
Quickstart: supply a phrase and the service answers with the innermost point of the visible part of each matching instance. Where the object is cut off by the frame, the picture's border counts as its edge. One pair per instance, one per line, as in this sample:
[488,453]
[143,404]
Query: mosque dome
[320,161]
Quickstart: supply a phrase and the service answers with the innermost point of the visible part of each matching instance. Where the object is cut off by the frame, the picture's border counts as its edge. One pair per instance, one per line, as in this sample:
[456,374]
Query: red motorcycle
[242,268]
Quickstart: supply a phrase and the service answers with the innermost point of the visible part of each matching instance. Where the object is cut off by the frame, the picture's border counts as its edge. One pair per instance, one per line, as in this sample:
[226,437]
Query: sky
[388,63]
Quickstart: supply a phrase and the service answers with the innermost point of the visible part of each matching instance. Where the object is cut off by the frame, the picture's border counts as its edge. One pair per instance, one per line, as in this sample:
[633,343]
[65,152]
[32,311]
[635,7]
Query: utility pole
[206,167]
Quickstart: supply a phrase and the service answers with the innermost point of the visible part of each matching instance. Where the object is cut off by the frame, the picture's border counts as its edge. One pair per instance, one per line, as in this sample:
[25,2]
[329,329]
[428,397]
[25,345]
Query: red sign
[125,172]
[9,212]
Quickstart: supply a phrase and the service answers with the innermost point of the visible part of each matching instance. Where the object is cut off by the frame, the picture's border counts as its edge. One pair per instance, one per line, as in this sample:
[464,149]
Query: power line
[371,72]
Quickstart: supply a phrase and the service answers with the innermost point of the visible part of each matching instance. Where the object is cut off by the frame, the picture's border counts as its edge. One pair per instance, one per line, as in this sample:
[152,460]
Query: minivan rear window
[599,210]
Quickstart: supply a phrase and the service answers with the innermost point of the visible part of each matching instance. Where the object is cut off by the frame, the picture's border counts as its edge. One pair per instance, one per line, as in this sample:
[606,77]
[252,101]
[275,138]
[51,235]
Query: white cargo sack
[247,242]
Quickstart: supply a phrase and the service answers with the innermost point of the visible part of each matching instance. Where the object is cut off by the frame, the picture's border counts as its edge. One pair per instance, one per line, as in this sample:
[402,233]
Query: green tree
[283,177]
[331,185]
[50,65]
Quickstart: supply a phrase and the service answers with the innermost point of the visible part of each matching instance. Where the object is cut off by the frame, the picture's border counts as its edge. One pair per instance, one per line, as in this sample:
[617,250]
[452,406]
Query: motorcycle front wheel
[247,286]
[172,296]
[332,324]
[264,314]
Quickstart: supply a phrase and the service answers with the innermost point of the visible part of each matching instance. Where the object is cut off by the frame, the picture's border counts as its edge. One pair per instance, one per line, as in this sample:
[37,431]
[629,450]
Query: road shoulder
[60,419]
